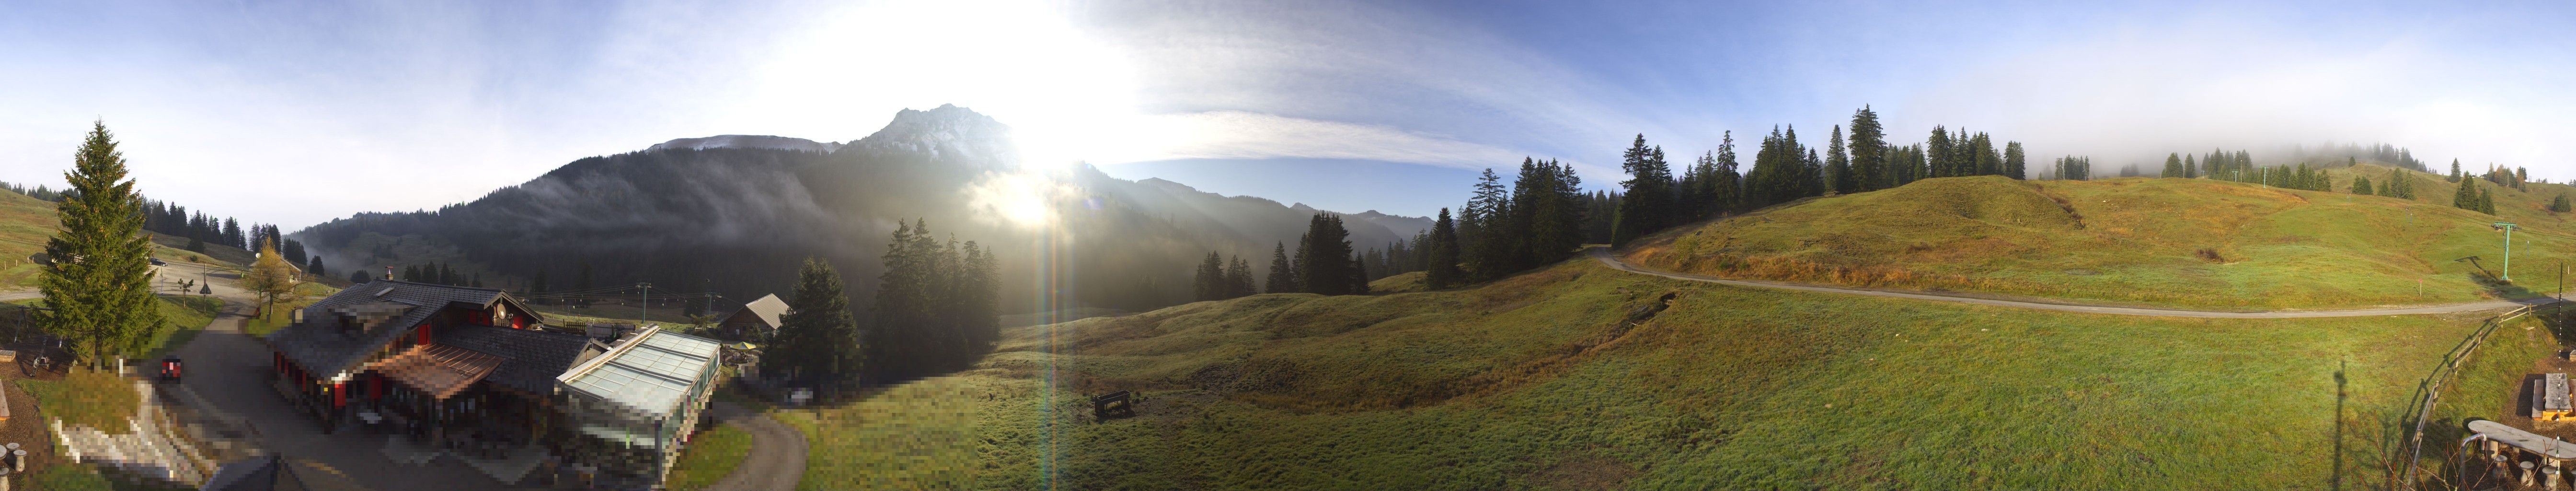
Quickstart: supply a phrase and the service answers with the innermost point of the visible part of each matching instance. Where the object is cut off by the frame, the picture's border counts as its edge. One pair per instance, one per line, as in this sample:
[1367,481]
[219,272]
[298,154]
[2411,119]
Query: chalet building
[757,320]
[466,370]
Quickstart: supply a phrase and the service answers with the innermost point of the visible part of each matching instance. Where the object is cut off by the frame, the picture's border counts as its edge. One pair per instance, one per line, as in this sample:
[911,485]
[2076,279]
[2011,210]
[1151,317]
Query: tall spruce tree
[1937,147]
[1443,269]
[819,340]
[98,283]
[1209,283]
[1327,260]
[1283,277]
[2173,165]
[1238,278]
[1648,203]
[1838,167]
[2015,164]
[1726,186]
[1868,151]
[2466,197]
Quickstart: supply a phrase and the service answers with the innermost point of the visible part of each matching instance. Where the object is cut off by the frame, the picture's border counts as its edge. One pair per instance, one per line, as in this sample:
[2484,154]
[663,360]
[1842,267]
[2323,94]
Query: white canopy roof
[650,373]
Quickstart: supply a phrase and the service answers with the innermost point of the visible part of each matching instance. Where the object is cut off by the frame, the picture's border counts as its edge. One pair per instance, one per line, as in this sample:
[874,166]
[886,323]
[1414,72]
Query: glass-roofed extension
[633,405]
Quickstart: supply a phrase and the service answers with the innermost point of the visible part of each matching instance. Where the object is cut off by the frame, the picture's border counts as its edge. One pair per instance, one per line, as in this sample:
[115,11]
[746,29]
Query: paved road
[1603,254]
[777,458]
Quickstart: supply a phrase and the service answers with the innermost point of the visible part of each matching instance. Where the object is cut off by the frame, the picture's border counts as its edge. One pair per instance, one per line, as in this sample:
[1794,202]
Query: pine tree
[1326,257]
[1937,147]
[2173,165]
[1480,231]
[1238,278]
[2361,185]
[1647,207]
[1838,168]
[818,341]
[2466,197]
[1727,184]
[2455,170]
[1868,151]
[1283,277]
[2015,164]
[2560,204]
[313,266]
[98,284]
[1443,269]
[1209,283]
[2190,169]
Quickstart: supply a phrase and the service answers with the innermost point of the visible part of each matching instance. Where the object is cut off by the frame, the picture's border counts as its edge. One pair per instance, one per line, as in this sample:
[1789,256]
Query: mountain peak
[947,132]
[745,141]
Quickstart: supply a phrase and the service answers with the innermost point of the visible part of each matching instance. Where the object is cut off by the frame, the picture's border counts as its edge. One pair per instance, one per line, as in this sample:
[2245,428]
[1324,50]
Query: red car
[170,369]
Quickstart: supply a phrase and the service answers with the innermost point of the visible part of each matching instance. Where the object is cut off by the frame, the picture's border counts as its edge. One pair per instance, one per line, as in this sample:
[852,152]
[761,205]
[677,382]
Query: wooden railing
[2429,392]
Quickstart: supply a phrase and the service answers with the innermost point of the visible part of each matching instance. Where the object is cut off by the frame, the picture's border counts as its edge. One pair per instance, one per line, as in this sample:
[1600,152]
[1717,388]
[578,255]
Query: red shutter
[339,394]
[424,333]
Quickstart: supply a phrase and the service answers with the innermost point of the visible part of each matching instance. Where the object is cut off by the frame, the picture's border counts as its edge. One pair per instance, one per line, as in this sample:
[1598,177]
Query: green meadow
[1571,378]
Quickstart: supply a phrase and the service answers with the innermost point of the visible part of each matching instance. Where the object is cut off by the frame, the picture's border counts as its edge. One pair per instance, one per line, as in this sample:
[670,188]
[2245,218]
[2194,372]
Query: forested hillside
[737,221]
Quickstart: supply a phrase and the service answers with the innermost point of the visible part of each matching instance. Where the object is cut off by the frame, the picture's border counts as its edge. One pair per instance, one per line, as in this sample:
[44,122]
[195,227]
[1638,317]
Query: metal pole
[648,305]
[2508,253]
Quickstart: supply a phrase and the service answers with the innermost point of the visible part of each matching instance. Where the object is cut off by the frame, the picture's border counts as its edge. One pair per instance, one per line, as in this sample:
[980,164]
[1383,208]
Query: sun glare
[1067,96]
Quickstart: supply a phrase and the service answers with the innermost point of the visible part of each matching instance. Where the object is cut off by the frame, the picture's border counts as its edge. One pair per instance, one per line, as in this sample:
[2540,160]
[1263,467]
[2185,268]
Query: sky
[297,113]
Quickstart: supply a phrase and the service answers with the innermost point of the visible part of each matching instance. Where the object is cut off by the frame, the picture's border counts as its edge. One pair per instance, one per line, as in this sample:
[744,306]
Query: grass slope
[2173,242]
[709,457]
[1542,381]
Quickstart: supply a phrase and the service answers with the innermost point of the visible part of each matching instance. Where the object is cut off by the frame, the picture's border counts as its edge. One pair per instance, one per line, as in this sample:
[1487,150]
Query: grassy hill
[1581,377]
[2175,242]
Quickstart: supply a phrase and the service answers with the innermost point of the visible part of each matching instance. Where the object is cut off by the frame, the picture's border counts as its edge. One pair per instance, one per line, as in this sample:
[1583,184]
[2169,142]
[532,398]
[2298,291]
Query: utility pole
[2507,227]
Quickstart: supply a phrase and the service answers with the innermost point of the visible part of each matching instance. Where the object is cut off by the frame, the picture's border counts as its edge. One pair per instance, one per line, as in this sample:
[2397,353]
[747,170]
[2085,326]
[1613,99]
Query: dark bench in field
[1115,404]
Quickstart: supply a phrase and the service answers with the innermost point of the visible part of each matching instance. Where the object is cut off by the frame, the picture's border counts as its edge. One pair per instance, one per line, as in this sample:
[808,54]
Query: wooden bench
[2549,399]
[1114,404]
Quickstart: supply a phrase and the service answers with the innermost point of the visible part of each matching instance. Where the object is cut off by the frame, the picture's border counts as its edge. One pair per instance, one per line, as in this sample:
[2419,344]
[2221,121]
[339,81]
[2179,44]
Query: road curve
[1603,254]
[777,457]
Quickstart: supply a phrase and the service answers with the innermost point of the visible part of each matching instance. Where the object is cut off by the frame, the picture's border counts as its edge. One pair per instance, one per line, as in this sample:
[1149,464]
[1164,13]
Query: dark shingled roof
[323,347]
[536,357]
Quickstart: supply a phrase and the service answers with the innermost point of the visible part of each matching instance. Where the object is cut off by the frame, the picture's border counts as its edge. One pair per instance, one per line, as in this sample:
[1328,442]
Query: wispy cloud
[1250,135]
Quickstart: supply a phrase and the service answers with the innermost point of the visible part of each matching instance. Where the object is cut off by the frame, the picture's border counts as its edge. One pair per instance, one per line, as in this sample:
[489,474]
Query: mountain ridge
[736,220]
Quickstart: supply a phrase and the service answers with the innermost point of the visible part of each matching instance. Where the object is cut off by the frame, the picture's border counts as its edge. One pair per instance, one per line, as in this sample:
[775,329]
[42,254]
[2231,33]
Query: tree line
[937,308]
[2070,168]
[1541,218]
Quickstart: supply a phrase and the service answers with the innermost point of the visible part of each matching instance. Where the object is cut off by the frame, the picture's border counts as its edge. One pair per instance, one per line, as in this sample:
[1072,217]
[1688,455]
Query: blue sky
[1346,106]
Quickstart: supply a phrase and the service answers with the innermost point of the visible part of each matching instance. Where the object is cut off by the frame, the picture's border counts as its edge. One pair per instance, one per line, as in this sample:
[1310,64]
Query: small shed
[758,319]
[2549,398]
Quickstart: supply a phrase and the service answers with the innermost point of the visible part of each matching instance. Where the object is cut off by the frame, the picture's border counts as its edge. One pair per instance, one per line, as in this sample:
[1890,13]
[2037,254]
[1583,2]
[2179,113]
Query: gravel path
[1603,254]
[777,458]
